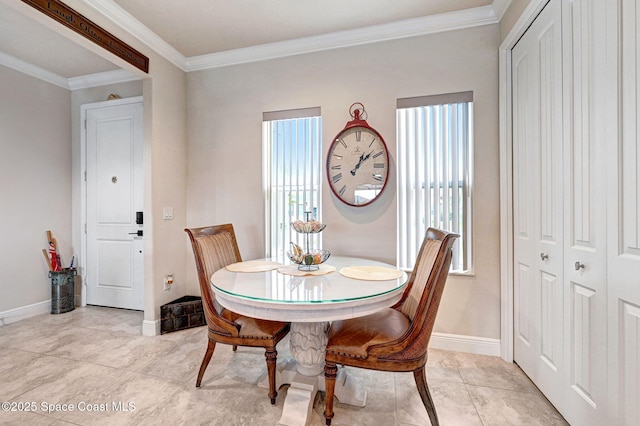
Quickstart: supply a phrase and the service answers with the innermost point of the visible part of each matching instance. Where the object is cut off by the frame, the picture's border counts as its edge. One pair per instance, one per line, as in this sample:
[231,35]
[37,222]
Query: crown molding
[33,70]
[74,83]
[473,17]
[101,79]
[130,24]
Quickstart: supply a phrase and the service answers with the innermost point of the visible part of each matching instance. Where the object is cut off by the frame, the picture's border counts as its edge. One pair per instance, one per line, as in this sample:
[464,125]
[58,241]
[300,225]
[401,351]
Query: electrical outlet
[168,281]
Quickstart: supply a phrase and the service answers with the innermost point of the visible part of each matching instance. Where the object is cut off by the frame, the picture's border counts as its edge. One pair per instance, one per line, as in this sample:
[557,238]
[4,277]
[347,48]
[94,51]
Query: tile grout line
[466,388]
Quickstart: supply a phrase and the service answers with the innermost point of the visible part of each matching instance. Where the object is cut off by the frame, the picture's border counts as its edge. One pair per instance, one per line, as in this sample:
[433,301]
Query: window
[435,151]
[292,153]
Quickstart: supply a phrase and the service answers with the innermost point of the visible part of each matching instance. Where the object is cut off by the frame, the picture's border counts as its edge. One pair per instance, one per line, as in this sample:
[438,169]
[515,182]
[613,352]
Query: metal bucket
[62,291]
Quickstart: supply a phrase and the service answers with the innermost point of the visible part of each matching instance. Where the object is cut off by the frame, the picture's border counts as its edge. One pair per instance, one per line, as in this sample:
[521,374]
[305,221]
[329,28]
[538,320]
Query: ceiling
[200,27]
[197,34]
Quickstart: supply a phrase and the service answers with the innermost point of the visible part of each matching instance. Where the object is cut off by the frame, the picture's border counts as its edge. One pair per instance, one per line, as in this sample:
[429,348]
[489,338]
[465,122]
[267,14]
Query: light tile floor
[95,361]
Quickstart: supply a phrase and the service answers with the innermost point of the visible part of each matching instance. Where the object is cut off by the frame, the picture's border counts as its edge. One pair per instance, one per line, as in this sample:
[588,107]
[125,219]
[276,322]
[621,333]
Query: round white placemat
[372,273]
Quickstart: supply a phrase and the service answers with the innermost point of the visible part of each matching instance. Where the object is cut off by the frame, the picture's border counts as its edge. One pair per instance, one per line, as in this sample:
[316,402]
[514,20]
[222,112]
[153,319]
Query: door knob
[544,256]
[138,233]
[579,266]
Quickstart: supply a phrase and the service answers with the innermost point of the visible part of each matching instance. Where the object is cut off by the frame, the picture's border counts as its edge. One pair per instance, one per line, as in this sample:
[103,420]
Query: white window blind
[292,153]
[435,135]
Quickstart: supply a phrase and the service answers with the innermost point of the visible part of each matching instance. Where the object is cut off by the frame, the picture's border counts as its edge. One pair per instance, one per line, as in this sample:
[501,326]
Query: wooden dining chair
[215,247]
[395,338]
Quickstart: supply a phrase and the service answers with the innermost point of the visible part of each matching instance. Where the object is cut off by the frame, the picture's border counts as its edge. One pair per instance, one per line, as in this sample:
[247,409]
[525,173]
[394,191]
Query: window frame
[465,253]
[315,174]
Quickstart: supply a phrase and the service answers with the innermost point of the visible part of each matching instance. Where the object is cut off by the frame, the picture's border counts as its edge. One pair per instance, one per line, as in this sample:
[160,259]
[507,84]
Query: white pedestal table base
[305,375]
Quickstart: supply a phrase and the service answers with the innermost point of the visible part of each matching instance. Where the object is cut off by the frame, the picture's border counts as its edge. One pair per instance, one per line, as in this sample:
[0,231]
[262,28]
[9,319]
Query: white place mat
[254,266]
[293,270]
[371,273]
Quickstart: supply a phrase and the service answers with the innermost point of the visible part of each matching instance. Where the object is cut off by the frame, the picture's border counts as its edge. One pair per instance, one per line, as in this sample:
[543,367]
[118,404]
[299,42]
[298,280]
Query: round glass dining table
[310,302]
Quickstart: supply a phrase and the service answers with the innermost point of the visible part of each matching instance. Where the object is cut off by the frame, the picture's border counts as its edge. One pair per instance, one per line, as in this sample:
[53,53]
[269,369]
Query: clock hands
[362,159]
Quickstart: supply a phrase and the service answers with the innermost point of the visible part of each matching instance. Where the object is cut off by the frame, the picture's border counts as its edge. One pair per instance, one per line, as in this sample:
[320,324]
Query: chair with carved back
[396,338]
[214,248]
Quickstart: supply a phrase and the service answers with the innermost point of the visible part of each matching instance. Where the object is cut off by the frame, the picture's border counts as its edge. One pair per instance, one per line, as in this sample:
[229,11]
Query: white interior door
[538,202]
[114,194]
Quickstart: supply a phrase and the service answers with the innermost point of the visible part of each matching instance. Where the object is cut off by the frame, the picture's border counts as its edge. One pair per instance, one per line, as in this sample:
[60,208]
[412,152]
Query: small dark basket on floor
[181,314]
[62,290]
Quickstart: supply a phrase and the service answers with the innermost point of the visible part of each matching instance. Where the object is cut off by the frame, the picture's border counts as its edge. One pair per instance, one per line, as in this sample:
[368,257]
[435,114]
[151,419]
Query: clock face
[357,165]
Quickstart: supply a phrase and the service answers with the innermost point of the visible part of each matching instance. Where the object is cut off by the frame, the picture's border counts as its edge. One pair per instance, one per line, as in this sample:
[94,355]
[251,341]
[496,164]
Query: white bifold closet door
[576,207]
[538,202]
[585,257]
[623,217]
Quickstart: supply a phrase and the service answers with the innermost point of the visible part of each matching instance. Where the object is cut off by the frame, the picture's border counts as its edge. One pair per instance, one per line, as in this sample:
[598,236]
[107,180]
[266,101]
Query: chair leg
[271,355]
[423,389]
[211,346]
[330,373]
[235,348]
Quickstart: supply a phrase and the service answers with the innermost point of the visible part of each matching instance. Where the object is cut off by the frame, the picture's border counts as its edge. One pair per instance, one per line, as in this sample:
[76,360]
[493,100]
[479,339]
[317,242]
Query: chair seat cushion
[254,327]
[352,337]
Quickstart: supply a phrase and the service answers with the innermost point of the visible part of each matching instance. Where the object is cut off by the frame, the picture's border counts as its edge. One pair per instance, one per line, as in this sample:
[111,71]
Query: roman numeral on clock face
[377,177]
[336,167]
[378,154]
[378,165]
[336,178]
[358,135]
[342,190]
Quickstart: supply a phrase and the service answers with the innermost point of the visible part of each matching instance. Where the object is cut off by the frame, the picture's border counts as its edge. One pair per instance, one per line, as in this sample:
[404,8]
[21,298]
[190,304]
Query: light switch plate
[167,213]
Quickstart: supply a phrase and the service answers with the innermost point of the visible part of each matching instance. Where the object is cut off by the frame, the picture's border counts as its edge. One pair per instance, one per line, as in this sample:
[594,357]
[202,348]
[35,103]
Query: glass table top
[333,287]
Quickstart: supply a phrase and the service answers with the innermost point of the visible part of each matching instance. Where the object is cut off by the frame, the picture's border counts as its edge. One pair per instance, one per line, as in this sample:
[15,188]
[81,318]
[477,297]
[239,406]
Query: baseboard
[461,343]
[150,328]
[24,312]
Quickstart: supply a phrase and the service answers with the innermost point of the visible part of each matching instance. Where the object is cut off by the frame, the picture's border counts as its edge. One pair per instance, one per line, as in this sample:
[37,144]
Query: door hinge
[85,175]
[85,124]
[85,228]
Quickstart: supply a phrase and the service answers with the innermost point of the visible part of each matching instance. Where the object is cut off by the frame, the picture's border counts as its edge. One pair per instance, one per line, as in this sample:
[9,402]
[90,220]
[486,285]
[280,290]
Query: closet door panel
[585,207]
[538,202]
[624,221]
[549,218]
[525,133]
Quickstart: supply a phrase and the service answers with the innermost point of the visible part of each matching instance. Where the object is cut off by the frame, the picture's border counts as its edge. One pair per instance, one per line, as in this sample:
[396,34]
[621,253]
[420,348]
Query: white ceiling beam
[130,24]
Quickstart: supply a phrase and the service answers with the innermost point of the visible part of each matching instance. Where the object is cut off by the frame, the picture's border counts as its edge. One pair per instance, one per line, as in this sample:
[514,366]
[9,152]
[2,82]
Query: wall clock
[358,161]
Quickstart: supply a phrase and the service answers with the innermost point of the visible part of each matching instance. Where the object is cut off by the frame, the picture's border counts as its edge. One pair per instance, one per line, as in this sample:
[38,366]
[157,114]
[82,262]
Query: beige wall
[165,171]
[224,179]
[35,185]
[512,15]
[166,174]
